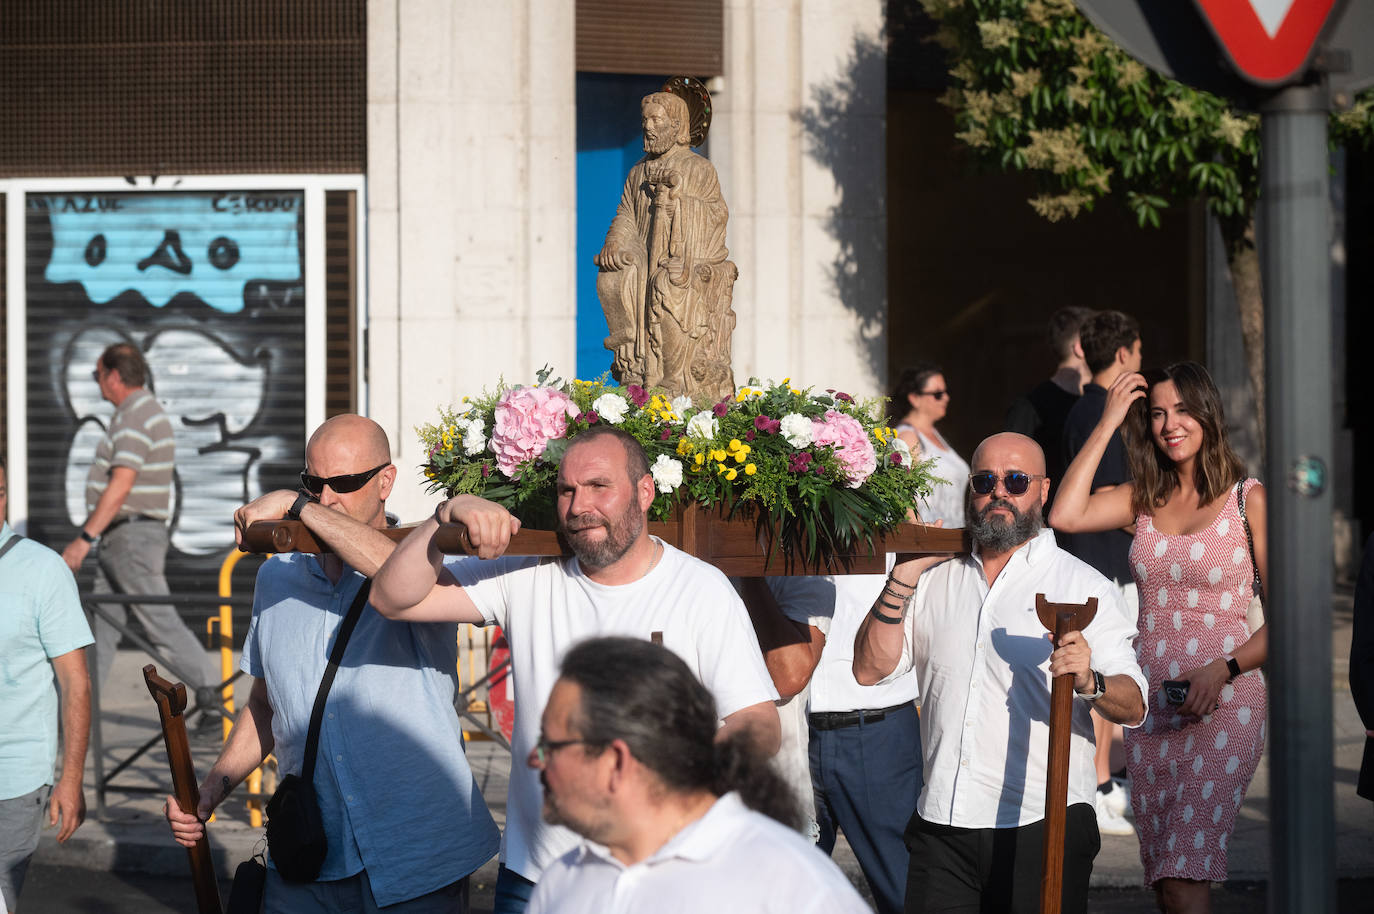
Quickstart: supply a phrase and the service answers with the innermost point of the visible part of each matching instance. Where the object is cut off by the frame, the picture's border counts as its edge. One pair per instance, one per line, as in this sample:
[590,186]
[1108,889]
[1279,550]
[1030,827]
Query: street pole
[1295,251]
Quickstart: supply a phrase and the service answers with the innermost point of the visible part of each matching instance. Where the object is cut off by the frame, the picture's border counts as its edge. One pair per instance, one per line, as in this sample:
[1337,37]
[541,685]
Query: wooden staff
[171,702]
[731,545]
[1060,618]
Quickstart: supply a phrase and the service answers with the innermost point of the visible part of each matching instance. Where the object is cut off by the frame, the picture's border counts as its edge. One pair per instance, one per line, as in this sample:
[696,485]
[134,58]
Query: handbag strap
[312,740]
[1257,586]
[10,544]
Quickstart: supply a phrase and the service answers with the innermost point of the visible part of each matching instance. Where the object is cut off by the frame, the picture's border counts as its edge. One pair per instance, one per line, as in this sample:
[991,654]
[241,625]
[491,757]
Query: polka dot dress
[1188,776]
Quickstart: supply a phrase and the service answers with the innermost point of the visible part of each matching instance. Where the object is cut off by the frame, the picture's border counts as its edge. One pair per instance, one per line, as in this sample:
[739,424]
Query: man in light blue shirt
[43,638]
[404,820]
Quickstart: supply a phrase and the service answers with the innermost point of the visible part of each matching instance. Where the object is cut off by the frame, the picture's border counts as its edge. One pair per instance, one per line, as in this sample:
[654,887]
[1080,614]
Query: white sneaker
[1118,799]
[1110,822]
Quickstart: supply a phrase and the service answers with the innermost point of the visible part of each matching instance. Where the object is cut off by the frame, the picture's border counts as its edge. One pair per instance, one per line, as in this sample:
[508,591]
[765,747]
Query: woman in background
[1192,760]
[919,400]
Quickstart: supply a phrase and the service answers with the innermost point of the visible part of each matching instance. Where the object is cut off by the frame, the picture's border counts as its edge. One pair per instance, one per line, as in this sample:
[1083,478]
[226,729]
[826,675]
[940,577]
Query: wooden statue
[665,283]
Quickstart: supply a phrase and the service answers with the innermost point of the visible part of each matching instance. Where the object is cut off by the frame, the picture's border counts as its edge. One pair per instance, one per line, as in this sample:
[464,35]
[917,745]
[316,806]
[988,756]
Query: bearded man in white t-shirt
[620,581]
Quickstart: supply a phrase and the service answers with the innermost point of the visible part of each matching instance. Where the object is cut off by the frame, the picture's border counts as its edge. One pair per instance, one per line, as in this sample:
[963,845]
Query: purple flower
[638,395]
[486,470]
[766,425]
[895,459]
[590,417]
[721,408]
[797,463]
[750,435]
[665,435]
[843,397]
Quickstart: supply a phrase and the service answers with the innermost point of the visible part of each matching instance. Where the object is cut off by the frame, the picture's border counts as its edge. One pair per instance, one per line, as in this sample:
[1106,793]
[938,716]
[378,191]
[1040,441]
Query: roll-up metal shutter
[210,285]
[173,87]
[629,36]
[4,336]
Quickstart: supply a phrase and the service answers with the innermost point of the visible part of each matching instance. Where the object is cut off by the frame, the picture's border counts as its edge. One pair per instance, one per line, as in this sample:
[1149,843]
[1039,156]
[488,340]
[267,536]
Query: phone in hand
[1176,691]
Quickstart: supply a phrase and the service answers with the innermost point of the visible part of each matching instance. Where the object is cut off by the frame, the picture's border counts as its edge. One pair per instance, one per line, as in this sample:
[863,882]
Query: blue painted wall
[609,142]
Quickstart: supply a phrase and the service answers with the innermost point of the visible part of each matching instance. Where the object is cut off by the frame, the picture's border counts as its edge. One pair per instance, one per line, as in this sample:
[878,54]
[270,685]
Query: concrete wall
[471,199]
[471,152]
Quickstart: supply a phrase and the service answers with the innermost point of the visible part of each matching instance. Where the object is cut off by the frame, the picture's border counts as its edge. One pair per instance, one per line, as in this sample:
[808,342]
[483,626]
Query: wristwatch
[1232,668]
[87,537]
[302,499]
[1100,682]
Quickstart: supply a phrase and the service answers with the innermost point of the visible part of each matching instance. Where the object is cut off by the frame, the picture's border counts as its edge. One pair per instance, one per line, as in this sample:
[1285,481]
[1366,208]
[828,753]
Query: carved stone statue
[665,283]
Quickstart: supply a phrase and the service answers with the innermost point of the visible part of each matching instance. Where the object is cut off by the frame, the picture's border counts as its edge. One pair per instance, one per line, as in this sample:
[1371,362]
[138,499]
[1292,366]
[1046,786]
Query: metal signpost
[1287,59]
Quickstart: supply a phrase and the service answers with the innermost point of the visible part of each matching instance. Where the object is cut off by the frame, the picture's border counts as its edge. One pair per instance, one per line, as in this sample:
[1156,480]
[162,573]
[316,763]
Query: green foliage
[1037,88]
[820,472]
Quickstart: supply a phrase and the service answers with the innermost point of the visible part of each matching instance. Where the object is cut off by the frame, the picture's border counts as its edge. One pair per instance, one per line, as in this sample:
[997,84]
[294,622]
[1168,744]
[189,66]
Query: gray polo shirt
[140,438]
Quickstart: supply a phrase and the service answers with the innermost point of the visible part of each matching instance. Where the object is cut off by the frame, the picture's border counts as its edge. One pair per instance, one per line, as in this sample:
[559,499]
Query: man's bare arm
[111,500]
[412,584]
[362,547]
[878,643]
[760,721]
[791,650]
[68,800]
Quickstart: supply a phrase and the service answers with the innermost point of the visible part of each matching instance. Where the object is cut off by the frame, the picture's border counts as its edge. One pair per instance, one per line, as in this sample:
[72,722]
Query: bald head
[1009,450]
[363,437]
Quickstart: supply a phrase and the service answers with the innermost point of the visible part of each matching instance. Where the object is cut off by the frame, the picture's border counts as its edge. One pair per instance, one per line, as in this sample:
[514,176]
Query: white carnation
[703,425]
[681,404]
[611,407]
[796,429]
[900,447]
[474,436]
[667,473]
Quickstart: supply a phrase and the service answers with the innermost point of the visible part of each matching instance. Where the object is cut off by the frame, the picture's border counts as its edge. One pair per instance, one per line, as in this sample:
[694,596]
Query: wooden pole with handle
[1060,618]
[171,702]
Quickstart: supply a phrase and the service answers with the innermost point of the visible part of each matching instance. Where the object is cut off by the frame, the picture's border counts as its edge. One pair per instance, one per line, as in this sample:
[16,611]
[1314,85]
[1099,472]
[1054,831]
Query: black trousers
[987,870]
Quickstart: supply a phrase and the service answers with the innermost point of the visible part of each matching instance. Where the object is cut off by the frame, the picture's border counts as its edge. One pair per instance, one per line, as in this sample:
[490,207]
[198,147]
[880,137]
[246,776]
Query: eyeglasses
[547,747]
[1017,483]
[343,484]
[936,395]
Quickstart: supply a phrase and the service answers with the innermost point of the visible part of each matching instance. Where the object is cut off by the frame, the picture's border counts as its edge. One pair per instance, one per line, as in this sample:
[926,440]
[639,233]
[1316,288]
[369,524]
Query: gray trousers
[20,820]
[131,559]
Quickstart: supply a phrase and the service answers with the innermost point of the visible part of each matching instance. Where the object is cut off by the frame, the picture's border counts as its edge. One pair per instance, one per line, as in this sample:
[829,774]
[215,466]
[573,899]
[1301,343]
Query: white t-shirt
[837,606]
[982,657]
[731,859]
[947,501]
[545,606]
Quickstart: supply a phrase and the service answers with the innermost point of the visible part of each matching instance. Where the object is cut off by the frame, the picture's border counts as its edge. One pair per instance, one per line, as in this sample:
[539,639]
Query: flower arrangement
[821,471]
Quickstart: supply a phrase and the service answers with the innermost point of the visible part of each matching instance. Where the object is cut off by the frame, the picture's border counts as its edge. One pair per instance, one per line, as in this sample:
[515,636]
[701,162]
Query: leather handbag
[295,829]
[1254,613]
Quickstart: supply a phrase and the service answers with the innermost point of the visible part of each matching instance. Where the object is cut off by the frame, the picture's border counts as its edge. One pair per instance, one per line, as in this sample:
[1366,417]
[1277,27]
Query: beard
[995,534]
[593,824]
[656,144]
[621,534]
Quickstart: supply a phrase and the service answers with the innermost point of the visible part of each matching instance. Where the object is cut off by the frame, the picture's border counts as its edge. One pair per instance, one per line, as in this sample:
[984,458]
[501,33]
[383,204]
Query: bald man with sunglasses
[404,844]
[985,664]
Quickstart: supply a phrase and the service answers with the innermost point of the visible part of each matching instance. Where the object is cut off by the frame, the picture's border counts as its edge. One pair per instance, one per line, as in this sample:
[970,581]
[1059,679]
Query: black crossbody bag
[295,831]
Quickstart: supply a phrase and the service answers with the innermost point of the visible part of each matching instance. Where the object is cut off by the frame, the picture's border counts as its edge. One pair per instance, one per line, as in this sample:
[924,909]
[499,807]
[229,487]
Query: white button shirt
[982,658]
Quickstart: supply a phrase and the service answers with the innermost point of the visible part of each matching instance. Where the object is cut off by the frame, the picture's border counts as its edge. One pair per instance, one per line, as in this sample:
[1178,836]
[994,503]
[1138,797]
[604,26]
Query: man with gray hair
[674,819]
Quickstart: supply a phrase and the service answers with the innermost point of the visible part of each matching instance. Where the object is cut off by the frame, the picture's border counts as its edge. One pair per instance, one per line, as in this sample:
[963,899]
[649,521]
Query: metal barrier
[206,697]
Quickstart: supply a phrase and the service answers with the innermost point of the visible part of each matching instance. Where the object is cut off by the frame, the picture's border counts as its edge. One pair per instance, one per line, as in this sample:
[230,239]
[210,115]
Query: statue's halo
[698,102]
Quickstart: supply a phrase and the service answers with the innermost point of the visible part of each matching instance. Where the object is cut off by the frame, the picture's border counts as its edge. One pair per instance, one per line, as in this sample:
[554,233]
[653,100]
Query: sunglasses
[937,395]
[348,482]
[1017,483]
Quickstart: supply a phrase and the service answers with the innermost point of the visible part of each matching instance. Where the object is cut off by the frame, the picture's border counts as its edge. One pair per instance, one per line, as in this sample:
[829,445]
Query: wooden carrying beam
[1060,618]
[733,545]
[171,702]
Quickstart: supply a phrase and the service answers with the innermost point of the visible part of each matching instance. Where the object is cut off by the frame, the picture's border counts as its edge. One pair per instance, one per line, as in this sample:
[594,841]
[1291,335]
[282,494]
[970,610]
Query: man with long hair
[673,820]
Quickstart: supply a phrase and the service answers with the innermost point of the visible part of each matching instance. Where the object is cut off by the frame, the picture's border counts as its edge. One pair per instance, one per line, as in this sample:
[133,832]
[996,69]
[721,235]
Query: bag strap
[1249,539]
[10,544]
[312,740]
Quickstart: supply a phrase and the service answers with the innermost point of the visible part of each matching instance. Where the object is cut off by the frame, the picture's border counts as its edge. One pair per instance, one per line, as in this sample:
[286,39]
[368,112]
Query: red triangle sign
[1268,41]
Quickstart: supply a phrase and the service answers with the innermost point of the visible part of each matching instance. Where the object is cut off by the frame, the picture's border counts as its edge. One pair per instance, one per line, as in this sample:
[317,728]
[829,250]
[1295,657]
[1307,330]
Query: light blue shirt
[395,792]
[40,618]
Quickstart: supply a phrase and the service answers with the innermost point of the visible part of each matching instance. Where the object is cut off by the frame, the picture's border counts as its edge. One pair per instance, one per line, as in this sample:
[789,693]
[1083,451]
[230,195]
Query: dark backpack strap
[9,544]
[350,621]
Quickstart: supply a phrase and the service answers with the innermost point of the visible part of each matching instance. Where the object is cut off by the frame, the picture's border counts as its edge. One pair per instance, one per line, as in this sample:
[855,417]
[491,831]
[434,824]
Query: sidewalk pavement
[133,837]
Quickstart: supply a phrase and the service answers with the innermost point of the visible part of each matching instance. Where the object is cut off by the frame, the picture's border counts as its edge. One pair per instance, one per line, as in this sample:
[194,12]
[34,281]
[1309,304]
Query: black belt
[834,720]
[121,521]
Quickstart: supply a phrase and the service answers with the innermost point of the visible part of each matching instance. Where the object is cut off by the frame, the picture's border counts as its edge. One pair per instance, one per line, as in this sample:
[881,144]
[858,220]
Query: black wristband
[87,537]
[882,618]
[1232,668]
[302,499]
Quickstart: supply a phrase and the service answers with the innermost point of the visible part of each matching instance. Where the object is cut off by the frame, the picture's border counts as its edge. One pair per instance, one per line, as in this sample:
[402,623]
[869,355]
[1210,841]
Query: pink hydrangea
[851,444]
[527,418]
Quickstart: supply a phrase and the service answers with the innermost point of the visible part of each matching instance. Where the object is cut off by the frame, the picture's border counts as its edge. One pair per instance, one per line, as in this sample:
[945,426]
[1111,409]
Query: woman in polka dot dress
[1190,763]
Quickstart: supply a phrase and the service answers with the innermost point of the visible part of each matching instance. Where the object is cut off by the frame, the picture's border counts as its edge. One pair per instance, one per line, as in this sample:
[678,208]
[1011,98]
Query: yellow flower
[717,454]
[750,469]
[734,444]
[685,447]
[730,475]
[700,459]
[721,468]
[740,455]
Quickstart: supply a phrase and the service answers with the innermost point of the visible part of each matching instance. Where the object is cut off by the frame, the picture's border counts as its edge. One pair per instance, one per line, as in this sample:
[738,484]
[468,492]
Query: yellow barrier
[225,624]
